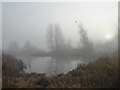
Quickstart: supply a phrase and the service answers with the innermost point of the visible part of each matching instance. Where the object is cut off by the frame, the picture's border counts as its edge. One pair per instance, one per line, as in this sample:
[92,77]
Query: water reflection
[51,65]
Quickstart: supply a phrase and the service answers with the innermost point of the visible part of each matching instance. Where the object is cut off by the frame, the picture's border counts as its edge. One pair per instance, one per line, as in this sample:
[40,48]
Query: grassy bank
[100,73]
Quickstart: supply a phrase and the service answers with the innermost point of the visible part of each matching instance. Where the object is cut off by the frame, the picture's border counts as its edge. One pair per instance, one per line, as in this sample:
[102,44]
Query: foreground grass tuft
[101,73]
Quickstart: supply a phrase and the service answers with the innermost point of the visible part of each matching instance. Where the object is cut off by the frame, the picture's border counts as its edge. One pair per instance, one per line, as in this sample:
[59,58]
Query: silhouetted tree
[56,43]
[55,39]
[58,37]
[28,46]
[50,42]
[50,37]
[84,40]
[13,48]
[59,42]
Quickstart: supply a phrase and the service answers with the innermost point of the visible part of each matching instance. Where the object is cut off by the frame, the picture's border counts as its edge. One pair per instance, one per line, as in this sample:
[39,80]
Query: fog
[55,37]
[29,21]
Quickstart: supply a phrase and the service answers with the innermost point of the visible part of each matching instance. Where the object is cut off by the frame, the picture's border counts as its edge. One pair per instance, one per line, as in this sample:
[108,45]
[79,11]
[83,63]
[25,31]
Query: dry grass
[101,73]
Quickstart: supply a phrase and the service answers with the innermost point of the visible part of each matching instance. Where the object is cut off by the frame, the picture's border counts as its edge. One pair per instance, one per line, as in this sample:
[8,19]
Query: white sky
[28,21]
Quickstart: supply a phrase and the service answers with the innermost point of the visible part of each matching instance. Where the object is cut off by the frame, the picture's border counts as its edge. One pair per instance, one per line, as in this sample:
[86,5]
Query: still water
[50,66]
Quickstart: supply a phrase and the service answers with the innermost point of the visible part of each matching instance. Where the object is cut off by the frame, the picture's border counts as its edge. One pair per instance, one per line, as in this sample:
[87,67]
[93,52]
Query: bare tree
[13,48]
[83,36]
[58,37]
[55,42]
[55,38]
[86,46]
[50,42]
[28,46]
[84,40]
[50,37]
[59,42]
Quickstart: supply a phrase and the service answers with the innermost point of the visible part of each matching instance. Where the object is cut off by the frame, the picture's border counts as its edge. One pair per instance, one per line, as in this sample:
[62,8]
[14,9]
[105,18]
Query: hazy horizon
[24,22]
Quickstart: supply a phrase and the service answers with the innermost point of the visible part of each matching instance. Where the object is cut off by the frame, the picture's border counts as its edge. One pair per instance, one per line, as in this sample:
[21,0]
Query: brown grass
[101,73]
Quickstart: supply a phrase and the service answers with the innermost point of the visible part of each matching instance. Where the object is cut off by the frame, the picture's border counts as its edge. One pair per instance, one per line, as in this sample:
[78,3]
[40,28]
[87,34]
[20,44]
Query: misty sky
[23,22]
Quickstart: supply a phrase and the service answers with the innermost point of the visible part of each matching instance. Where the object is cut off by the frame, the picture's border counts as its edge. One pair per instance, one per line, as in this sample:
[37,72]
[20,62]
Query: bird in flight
[75,21]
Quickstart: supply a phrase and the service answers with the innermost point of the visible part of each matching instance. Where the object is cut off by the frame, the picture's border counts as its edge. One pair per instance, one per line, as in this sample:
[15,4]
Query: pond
[50,66]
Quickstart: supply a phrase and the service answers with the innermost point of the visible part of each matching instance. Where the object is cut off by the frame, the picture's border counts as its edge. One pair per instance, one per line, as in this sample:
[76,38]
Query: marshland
[59,45]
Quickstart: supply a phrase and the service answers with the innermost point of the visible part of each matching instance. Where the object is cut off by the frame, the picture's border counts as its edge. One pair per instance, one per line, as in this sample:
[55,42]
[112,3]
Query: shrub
[12,66]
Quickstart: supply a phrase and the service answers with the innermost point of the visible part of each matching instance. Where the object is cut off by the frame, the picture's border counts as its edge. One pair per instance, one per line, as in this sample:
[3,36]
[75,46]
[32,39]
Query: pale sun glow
[108,36]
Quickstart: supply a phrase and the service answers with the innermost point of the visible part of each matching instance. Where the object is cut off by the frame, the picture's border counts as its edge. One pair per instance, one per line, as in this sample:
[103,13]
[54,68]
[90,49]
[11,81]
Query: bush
[12,66]
[101,73]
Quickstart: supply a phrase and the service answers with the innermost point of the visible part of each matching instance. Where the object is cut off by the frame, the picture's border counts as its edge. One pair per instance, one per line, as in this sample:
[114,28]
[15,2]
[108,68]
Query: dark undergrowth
[102,73]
